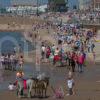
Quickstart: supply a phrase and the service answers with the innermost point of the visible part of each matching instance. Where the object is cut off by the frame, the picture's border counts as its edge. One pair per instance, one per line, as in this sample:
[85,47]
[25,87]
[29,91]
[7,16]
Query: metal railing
[90,22]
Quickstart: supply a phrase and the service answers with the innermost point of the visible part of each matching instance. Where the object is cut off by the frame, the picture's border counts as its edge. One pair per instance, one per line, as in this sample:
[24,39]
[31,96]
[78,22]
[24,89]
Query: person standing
[81,59]
[70,85]
[73,61]
[2,60]
[15,61]
[69,58]
[43,49]
[48,51]
[56,56]
[12,62]
[20,85]
[21,62]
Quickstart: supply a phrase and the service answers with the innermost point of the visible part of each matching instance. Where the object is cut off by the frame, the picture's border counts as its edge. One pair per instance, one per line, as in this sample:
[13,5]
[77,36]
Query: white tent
[43,8]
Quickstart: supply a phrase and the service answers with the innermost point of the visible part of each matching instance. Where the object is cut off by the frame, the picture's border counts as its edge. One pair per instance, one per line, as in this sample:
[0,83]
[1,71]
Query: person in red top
[80,62]
[48,51]
[76,59]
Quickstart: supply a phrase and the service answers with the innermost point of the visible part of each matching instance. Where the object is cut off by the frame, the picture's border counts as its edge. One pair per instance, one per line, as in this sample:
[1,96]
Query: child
[70,85]
[58,93]
[19,74]
[11,87]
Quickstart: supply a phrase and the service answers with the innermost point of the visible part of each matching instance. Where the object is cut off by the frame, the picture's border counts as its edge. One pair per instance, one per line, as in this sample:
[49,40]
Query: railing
[90,22]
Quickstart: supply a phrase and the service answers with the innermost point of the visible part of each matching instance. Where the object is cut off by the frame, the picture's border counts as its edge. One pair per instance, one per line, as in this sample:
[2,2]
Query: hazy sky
[8,2]
[4,2]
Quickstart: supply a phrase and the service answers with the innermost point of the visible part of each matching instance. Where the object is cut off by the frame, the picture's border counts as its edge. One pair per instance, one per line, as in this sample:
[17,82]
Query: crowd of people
[73,43]
[11,61]
[85,16]
[72,46]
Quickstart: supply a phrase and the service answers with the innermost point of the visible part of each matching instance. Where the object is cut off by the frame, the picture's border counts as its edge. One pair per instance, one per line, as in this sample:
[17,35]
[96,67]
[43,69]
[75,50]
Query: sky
[8,2]
[4,3]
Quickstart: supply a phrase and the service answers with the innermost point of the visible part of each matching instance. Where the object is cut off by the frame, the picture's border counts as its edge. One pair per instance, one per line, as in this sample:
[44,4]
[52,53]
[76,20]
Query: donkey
[39,87]
[30,83]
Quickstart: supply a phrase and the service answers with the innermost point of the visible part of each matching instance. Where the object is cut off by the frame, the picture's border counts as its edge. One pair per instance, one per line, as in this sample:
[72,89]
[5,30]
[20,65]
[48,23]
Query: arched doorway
[8,39]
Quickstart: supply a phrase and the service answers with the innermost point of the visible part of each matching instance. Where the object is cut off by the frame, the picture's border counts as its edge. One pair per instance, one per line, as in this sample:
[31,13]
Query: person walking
[20,85]
[73,62]
[81,59]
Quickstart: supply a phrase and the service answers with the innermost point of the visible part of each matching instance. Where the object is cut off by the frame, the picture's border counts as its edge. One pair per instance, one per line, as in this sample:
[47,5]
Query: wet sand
[87,84]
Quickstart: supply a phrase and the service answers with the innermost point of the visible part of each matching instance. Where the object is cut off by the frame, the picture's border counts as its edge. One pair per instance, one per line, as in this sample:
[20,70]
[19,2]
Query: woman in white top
[1,61]
[56,52]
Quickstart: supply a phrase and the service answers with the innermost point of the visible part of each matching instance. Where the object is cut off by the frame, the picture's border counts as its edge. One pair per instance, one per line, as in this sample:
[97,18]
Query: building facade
[23,2]
[73,4]
[29,2]
[84,4]
[57,5]
[4,3]
[96,5]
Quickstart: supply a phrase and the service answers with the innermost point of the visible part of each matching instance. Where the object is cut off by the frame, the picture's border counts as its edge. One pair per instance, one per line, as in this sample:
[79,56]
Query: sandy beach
[87,86]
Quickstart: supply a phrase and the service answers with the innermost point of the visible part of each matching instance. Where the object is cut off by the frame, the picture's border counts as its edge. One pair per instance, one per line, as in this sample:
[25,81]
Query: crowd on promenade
[87,16]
